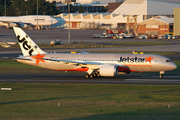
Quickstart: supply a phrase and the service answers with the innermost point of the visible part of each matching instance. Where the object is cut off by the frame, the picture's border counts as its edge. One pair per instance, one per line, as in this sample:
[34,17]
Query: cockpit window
[168,61]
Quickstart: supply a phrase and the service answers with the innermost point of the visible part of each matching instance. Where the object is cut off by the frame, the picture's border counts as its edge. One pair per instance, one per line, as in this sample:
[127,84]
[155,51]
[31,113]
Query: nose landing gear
[161,74]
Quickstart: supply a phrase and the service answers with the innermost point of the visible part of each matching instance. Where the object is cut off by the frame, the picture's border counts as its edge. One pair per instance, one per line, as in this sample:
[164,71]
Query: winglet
[27,45]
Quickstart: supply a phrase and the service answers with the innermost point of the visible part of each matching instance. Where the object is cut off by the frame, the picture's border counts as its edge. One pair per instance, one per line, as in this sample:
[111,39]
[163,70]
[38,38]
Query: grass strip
[89,101]
[99,45]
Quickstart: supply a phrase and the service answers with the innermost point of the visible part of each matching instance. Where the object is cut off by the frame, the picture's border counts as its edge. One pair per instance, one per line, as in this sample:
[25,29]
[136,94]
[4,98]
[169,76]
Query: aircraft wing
[8,22]
[78,63]
[15,24]
[91,65]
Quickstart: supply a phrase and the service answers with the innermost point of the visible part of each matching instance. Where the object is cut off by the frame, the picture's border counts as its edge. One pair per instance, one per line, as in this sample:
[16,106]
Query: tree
[1,10]
[21,6]
[81,10]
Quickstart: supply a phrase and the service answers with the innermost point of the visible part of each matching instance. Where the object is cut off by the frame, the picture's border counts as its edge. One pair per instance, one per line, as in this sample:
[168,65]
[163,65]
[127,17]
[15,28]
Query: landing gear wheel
[160,76]
[98,75]
[91,76]
[87,76]
[94,75]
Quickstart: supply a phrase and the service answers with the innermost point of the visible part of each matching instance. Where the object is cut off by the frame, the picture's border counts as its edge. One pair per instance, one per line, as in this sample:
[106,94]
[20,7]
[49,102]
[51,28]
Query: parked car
[162,37]
[102,36]
[111,35]
[142,37]
[128,36]
[96,36]
[107,36]
[169,37]
[120,36]
[175,37]
[153,36]
[104,33]
[55,42]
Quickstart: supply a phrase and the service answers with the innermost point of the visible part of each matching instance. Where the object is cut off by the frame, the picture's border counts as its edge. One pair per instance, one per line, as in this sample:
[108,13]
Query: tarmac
[80,78]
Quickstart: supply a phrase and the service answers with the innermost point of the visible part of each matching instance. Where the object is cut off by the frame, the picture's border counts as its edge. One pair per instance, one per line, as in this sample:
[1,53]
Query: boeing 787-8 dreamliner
[96,64]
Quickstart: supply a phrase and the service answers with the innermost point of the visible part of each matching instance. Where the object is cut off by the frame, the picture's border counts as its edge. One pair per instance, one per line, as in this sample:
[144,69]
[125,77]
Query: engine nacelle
[108,70]
[24,25]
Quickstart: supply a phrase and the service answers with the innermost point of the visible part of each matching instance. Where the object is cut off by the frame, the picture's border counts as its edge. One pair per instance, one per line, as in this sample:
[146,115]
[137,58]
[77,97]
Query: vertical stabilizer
[27,45]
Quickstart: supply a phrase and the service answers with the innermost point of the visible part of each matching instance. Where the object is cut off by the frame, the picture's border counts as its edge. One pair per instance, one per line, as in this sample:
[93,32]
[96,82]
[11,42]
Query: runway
[80,78]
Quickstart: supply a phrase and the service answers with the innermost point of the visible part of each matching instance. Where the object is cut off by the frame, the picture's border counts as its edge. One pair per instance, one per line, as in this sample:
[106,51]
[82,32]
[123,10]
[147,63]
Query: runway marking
[152,80]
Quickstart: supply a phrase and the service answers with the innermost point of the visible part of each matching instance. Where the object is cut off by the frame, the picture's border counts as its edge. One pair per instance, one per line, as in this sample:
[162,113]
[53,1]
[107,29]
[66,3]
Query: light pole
[5,7]
[37,15]
[69,38]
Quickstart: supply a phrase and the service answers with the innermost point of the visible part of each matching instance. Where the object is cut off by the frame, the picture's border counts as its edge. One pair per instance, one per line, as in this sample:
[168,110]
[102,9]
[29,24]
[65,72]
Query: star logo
[38,58]
[149,59]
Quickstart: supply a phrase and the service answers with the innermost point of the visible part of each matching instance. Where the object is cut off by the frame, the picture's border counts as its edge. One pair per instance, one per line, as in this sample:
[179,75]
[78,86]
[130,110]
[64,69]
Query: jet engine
[108,70]
[23,25]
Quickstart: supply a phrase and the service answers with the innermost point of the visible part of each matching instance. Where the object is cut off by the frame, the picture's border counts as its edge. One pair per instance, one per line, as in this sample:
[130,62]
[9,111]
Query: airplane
[95,64]
[26,21]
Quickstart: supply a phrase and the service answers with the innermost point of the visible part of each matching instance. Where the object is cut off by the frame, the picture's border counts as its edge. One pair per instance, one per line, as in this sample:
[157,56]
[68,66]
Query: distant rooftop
[164,19]
[93,4]
[170,1]
[147,7]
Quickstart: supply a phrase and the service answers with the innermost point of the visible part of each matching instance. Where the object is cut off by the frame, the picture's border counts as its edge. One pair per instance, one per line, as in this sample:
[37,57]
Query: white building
[98,1]
[147,7]
[143,9]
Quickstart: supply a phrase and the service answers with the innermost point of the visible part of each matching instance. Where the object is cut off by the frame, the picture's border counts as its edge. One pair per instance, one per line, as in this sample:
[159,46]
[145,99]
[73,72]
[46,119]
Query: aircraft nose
[172,66]
[175,66]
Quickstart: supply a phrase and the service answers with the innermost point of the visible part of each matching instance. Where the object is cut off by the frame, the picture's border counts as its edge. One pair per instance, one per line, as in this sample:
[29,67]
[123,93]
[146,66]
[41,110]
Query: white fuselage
[125,62]
[30,19]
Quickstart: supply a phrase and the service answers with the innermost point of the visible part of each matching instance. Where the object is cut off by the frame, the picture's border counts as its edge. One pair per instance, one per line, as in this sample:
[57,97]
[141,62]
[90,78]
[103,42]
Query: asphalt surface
[80,78]
[45,36]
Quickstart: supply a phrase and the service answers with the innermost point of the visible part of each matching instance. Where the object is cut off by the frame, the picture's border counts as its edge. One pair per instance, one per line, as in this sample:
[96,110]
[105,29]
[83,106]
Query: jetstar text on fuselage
[133,60]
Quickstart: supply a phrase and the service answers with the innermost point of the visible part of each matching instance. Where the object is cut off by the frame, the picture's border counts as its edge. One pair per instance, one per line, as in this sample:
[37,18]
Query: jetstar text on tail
[25,44]
[135,59]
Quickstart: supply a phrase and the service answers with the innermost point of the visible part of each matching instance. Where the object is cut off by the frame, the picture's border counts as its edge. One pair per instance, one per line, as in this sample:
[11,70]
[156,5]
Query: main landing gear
[93,75]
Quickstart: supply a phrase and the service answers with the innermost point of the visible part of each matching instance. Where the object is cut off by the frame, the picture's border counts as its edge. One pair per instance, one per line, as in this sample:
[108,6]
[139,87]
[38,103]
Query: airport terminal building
[130,12]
